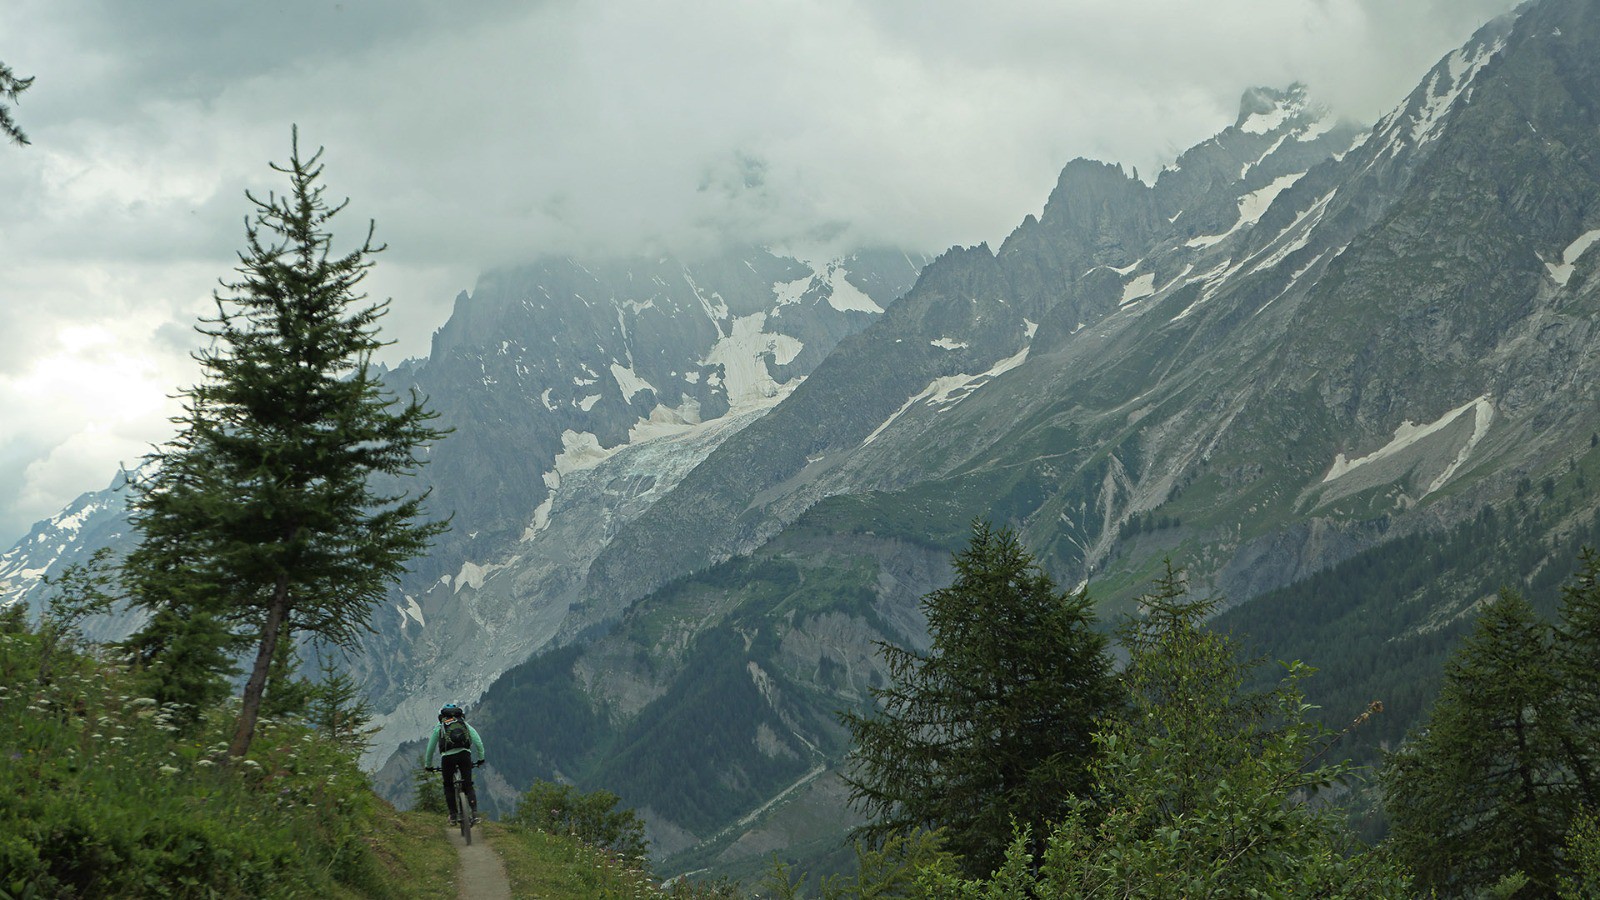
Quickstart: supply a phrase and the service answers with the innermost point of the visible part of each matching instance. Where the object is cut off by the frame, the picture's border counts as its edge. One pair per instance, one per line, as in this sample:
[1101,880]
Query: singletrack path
[483,877]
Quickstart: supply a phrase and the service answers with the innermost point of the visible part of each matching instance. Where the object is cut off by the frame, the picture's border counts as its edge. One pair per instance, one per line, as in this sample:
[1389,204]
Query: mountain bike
[463,808]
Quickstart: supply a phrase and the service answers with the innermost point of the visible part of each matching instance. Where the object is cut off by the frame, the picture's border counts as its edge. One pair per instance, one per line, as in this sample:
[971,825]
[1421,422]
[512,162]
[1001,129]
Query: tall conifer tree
[1201,786]
[1485,791]
[264,513]
[994,722]
[1577,651]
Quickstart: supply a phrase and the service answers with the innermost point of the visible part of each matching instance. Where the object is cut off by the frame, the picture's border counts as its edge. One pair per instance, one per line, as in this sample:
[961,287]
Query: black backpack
[455,736]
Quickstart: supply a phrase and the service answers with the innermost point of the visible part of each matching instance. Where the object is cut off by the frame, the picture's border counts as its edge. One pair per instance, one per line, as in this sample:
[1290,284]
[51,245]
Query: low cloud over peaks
[490,133]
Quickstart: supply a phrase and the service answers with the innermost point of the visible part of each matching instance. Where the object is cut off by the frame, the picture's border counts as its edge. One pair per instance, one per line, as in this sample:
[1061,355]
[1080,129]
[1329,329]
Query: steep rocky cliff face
[580,394]
[1291,291]
[1106,248]
[1303,343]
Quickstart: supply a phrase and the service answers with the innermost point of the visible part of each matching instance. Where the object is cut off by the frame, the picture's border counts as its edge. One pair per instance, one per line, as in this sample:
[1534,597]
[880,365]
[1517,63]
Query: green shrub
[592,818]
[1583,856]
[427,789]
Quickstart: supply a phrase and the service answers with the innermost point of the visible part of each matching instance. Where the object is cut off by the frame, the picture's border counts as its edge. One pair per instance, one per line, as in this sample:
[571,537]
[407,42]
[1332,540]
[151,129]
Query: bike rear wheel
[465,812]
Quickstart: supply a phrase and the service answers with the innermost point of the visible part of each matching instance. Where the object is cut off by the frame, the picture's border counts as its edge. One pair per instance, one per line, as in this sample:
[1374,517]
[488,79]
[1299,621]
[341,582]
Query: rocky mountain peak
[1263,109]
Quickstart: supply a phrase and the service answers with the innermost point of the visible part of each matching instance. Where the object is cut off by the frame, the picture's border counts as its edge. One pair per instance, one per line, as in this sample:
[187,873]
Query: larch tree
[1201,787]
[264,513]
[994,722]
[1484,792]
[338,709]
[1577,651]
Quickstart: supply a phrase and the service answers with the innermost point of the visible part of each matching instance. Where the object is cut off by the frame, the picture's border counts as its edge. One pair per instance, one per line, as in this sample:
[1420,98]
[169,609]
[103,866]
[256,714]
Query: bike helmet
[451,710]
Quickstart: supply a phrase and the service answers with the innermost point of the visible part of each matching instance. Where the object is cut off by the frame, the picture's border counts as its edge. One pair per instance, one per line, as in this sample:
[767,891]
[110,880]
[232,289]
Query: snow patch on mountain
[1244,172]
[412,610]
[1409,433]
[1179,279]
[1271,120]
[1317,129]
[630,383]
[73,522]
[1462,70]
[1562,272]
[846,297]
[949,389]
[788,293]
[1124,270]
[1252,207]
[579,450]
[67,537]
[1212,280]
[1293,279]
[742,363]
[473,575]
[1138,288]
[1446,84]
[1255,204]
[743,353]
[1304,224]
[1483,415]
[541,518]
[715,307]
[830,276]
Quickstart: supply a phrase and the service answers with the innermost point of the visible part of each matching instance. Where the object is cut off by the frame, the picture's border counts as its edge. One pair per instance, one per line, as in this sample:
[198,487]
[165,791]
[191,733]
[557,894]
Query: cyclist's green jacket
[433,743]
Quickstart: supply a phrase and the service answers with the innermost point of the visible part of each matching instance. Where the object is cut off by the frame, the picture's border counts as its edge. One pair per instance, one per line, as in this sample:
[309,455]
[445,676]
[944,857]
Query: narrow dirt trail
[483,877]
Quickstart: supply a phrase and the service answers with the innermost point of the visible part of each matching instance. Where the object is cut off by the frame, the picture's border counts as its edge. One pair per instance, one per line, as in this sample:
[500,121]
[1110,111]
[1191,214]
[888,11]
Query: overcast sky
[489,132]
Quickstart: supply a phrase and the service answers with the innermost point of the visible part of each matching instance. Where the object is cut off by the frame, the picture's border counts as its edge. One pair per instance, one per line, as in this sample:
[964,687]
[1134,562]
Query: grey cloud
[490,132]
[116,54]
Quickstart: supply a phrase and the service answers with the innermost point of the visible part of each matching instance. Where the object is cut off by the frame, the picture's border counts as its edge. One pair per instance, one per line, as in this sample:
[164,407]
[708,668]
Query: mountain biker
[455,756]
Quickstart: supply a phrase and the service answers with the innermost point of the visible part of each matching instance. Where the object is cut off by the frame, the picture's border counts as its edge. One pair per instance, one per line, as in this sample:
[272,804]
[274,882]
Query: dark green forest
[1381,625]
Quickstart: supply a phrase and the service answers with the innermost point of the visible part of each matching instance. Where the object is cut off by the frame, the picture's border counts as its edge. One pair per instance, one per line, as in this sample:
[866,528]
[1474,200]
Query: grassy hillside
[109,795]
